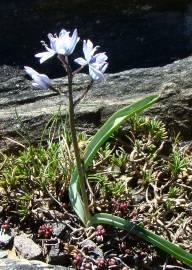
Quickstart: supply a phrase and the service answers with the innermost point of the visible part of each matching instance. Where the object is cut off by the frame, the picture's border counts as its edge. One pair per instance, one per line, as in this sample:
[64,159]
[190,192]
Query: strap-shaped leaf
[113,123]
[163,244]
[75,198]
[100,137]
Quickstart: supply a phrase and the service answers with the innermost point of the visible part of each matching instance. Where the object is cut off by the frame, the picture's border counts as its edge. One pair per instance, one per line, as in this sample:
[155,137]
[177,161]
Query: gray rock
[55,256]
[26,247]
[59,228]
[21,264]
[3,254]
[93,248]
[35,107]
[6,238]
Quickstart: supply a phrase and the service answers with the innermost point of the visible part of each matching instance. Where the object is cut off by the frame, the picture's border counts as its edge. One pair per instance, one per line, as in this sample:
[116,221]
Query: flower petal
[104,67]
[94,50]
[73,43]
[30,71]
[45,55]
[63,42]
[81,61]
[101,57]
[35,84]
[63,32]
[52,40]
[45,78]
[87,50]
[95,73]
[41,80]
[89,45]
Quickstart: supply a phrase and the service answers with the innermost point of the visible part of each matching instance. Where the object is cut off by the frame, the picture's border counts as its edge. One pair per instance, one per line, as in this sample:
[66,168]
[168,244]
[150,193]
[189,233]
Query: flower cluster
[63,46]
[45,231]
[97,63]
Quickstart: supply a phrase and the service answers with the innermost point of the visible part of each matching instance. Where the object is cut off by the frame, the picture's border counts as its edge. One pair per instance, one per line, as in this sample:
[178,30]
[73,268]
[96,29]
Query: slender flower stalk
[79,162]
[64,45]
[84,93]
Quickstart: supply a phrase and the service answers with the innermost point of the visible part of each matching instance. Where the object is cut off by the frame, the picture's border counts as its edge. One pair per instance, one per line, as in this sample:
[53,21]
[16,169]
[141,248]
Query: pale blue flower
[97,63]
[64,45]
[41,80]
[96,71]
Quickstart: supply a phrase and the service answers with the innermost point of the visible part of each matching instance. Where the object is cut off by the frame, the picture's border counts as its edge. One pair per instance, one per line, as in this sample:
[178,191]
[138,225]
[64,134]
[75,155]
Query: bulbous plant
[63,46]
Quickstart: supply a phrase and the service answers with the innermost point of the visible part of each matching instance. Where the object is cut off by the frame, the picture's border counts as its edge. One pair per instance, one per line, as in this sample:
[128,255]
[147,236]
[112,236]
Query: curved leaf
[100,137]
[163,244]
[114,123]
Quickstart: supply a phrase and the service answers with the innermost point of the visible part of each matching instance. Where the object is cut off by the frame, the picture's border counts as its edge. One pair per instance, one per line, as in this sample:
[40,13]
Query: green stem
[79,162]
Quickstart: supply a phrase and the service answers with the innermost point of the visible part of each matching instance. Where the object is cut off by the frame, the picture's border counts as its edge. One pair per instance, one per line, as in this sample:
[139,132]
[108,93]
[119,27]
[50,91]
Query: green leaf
[113,123]
[165,245]
[75,198]
[100,137]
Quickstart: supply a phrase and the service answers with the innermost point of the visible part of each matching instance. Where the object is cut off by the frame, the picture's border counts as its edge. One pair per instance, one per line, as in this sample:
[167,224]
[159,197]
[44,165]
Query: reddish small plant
[45,231]
[100,230]
[112,262]
[123,205]
[120,205]
[77,259]
[86,266]
[101,263]
[99,233]
[5,226]
[125,268]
